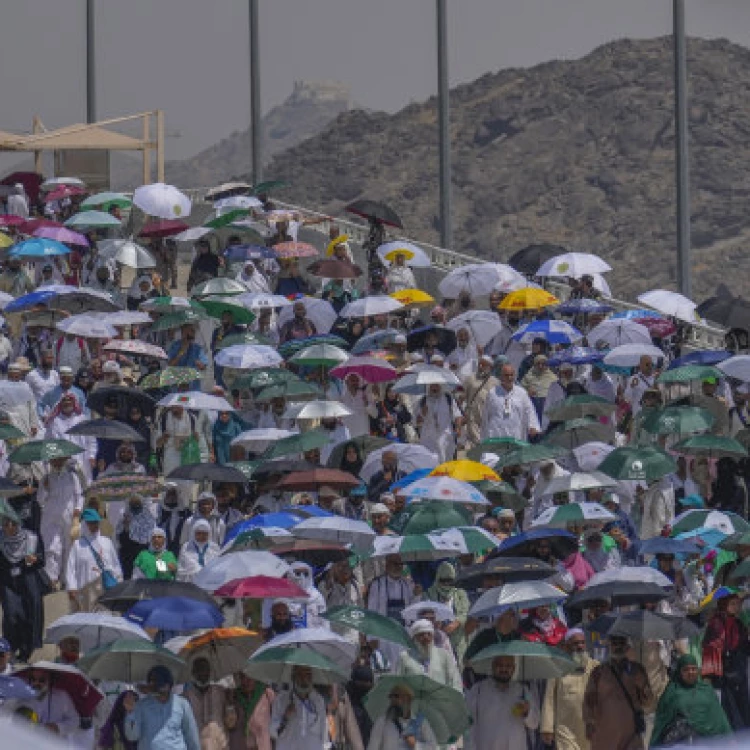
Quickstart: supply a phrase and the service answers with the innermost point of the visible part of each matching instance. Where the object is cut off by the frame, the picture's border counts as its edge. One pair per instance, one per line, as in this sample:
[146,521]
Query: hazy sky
[190,57]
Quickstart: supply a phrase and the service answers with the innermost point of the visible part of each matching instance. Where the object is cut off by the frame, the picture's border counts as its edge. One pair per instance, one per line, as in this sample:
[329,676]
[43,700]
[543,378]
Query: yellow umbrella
[5,241]
[413,297]
[528,298]
[465,471]
[340,240]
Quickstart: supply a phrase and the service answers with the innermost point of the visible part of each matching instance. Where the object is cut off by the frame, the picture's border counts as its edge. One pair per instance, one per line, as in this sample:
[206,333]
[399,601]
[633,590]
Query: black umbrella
[106,429]
[446,338]
[120,598]
[619,593]
[562,543]
[10,489]
[314,553]
[726,310]
[208,473]
[125,397]
[643,625]
[282,466]
[368,209]
[530,258]
[508,569]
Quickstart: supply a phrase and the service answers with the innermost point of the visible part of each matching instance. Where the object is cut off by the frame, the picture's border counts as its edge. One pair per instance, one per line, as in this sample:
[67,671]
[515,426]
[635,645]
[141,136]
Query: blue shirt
[192,357]
[163,726]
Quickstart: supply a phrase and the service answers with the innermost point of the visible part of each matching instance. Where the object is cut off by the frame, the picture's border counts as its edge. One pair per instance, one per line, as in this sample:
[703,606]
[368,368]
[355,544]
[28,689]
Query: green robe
[146,563]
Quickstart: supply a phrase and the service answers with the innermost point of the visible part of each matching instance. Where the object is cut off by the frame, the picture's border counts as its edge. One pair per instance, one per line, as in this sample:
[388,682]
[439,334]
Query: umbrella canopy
[629,355]
[415,383]
[576,355]
[321,641]
[530,258]
[670,303]
[220,286]
[227,189]
[377,304]
[579,481]
[418,547]
[163,228]
[85,696]
[573,265]
[528,298]
[530,454]
[333,268]
[275,665]
[617,332]
[162,201]
[483,325]
[224,648]
[504,570]
[445,489]
[179,319]
[106,200]
[638,463]
[261,300]
[583,405]
[338,530]
[121,485]
[295,250]
[207,473]
[534,661]
[443,612]
[445,339]
[261,587]
[297,443]
[106,429]
[365,445]
[443,707]
[93,219]
[430,517]
[737,367]
[126,397]
[688,373]
[174,613]
[39,248]
[643,625]
[636,574]
[299,481]
[130,254]
[15,688]
[258,439]
[60,297]
[577,432]
[678,420]
[127,318]
[121,597]
[465,471]
[724,521]
[572,513]
[321,355]
[711,446]
[410,457]
[369,369]
[316,410]
[240,565]
[87,326]
[93,629]
[43,450]
[248,357]
[129,661]
[522,595]
[137,348]
[583,306]
[663,545]
[619,593]
[370,623]
[414,255]
[375,211]
[217,307]
[562,543]
[553,331]
[196,401]
[319,312]
[475,279]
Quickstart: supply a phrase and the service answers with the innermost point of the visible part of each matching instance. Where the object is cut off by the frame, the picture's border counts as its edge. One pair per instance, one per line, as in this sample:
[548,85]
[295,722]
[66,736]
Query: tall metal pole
[256,155]
[90,61]
[684,270]
[446,223]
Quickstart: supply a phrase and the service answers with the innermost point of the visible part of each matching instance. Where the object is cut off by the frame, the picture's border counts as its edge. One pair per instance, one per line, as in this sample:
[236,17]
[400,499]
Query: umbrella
[244,338]
[130,660]
[177,320]
[162,201]
[659,328]
[43,450]
[93,629]
[169,377]
[106,200]
[573,265]
[316,410]
[534,661]
[137,348]
[562,543]
[374,211]
[688,373]
[248,357]
[196,401]
[223,218]
[522,595]
[733,542]
[678,420]
[445,489]
[54,182]
[370,623]
[10,432]
[369,369]
[39,248]
[295,250]
[10,220]
[127,318]
[258,439]
[553,331]
[375,341]
[502,494]
[320,641]
[62,192]
[265,522]
[295,346]
[446,340]
[106,429]
[417,547]
[465,471]
[87,326]
[60,297]
[475,279]
[430,517]
[85,696]
[506,570]
[443,612]
[443,707]
[130,254]
[163,228]
[121,597]
[578,481]
[13,688]
[636,574]
[617,332]
[169,304]
[576,432]
[174,613]
[261,587]
[319,312]
[121,485]
[262,378]
[483,325]
[583,306]
[643,625]
[415,383]
[711,446]
[240,565]
[365,445]
[583,405]
[220,286]
[737,367]
[410,457]
[217,307]
[670,303]
[619,593]
[207,473]
[226,189]
[300,481]
[378,304]
[92,219]
[333,268]
[638,463]
[528,259]
[224,648]
[474,540]
[572,513]
[261,300]
[528,298]
[297,443]
[338,530]
[275,665]
[320,355]
[629,355]
[293,390]
[316,554]
[664,545]
[254,538]
[724,521]
[413,254]
[530,454]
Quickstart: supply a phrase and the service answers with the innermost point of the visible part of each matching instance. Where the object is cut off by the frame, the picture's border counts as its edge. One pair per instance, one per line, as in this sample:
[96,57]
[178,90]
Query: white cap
[111,366]
[380,508]
[399,338]
[421,626]
[65,370]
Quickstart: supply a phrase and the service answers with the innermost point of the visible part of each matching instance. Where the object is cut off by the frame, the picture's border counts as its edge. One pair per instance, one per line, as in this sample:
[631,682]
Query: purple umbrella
[61,234]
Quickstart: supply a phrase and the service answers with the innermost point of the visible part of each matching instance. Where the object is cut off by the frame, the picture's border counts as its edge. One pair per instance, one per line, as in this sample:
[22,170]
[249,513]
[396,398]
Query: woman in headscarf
[140,290]
[577,565]
[541,627]
[250,702]
[112,734]
[134,529]
[351,460]
[21,588]
[445,591]
[140,424]
[226,428]
[688,708]
[156,563]
[198,552]
[68,413]
[393,415]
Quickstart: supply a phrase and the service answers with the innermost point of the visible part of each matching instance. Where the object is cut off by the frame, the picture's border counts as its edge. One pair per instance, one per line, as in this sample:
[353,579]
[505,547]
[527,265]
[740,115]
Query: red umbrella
[82,691]
[31,225]
[8,220]
[659,327]
[299,481]
[261,587]
[163,228]
[295,250]
[64,191]
[31,182]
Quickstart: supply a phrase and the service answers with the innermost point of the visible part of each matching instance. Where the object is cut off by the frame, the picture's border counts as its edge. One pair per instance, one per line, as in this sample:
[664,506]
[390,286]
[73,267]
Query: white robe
[42,384]
[635,388]
[437,431]
[188,566]
[307,729]
[58,428]
[386,736]
[362,407]
[82,568]
[56,707]
[509,414]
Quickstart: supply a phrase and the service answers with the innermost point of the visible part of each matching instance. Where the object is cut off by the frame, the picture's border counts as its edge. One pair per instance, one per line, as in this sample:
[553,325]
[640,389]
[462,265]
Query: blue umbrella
[662,545]
[577,355]
[636,314]
[175,613]
[239,253]
[14,687]
[553,331]
[562,543]
[263,521]
[710,537]
[707,357]
[410,478]
[374,341]
[28,301]
[38,248]
[583,306]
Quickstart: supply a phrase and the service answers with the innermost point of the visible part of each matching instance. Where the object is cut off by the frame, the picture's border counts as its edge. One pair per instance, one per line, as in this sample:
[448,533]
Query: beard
[281,626]
[425,651]
[581,658]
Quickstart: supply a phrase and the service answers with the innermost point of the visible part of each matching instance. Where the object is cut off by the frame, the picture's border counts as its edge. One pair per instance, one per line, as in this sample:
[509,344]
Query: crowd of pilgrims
[621,692]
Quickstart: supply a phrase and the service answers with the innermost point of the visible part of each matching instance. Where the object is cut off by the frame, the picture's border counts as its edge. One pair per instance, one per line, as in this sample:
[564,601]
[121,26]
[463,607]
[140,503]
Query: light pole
[446,224]
[256,160]
[90,61]
[682,172]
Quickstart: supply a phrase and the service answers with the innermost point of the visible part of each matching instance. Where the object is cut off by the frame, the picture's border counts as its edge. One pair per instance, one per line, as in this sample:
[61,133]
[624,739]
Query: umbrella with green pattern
[577,432]
[710,446]
[643,463]
[10,432]
[299,443]
[216,307]
[179,319]
[429,517]
[320,355]
[296,390]
[503,494]
[531,454]
[370,623]
[222,220]
[43,450]
[534,661]
[275,665]
[169,377]
[497,445]
[294,346]
[130,660]
[169,304]
[582,405]
[678,420]
[244,338]
[264,378]
[688,373]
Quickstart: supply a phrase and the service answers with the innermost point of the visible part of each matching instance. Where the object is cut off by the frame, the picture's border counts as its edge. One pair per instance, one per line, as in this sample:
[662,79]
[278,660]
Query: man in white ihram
[509,411]
[298,715]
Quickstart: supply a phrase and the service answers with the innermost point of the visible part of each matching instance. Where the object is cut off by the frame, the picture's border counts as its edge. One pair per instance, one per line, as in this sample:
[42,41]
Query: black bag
[677,732]
[639,719]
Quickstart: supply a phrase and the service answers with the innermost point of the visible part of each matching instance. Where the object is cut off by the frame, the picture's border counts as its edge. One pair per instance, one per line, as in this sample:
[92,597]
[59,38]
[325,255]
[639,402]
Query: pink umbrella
[75,683]
[658,327]
[134,346]
[64,191]
[261,587]
[8,220]
[370,369]
[295,250]
[61,234]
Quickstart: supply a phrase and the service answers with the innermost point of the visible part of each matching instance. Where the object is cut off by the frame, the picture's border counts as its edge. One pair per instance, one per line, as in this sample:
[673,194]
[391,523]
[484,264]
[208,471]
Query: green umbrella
[505,495]
[293,346]
[43,450]
[269,186]
[217,306]
[428,517]
[530,455]
[170,304]
[168,377]
[583,405]
[419,547]
[689,372]
[534,661]
[365,444]
[246,467]
[275,665]
[106,200]
[100,219]
[733,542]
[178,319]
[710,446]
[370,623]
[477,541]
[320,355]
[443,707]
[678,420]
[576,432]
[129,660]
[257,538]
[264,378]
[741,571]
[246,337]
[10,432]
[697,518]
[498,445]
[638,463]
[293,389]
[224,219]
[303,441]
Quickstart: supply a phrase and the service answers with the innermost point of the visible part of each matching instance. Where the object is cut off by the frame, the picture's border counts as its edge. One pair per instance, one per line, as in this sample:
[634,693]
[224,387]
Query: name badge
[161,566]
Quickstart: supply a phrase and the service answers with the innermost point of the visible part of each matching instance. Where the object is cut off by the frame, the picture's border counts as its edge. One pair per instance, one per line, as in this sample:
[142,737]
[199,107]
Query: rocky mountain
[578,153]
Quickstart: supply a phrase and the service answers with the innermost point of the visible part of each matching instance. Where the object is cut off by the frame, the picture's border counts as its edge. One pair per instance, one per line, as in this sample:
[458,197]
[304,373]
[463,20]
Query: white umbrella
[87,326]
[244,202]
[261,300]
[617,331]
[338,530]
[476,279]
[5,298]
[248,357]
[559,516]
[601,285]
[443,612]
[379,304]
[196,400]
[57,181]
[258,439]
[318,311]
[220,286]
[320,640]
[226,187]
[137,347]
[573,265]
[415,383]
[162,201]
[445,489]
[316,410]
[415,256]
[410,457]
[523,595]
[629,355]
[590,455]
[93,629]
[637,574]
[483,325]
[134,256]
[670,303]
[175,304]
[193,234]
[578,482]
[240,565]
[737,367]
[126,318]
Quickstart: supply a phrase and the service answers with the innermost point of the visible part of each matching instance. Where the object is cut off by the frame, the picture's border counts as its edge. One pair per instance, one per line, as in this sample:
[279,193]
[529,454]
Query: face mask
[301,690]
[135,509]
[281,626]
[171,504]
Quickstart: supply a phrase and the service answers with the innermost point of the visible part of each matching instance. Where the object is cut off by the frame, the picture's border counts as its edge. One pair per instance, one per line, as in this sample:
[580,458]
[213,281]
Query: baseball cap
[89,514]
